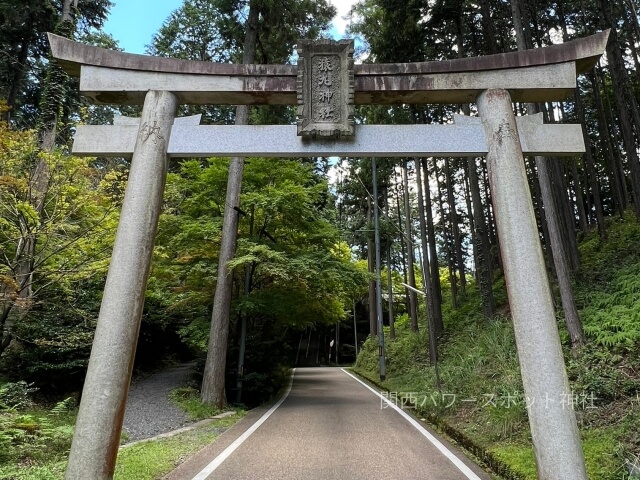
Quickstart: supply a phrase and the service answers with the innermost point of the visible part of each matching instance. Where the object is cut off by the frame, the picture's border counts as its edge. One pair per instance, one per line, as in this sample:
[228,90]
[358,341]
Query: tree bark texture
[426,272]
[433,254]
[213,382]
[413,301]
[553,217]
[625,101]
[616,176]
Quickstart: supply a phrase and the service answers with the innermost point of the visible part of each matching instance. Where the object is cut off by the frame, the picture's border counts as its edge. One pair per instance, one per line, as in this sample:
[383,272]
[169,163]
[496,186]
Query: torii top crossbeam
[538,75]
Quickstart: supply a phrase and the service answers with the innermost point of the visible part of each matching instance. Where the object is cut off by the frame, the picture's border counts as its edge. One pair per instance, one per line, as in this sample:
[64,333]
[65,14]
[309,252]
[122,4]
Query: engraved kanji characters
[325,110]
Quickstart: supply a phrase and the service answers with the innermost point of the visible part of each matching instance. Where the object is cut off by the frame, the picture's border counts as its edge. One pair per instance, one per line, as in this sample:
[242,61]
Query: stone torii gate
[326,85]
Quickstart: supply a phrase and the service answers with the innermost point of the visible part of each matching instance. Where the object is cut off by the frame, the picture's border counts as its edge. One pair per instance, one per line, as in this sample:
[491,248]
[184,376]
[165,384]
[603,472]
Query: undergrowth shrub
[38,436]
[479,366]
[611,315]
[16,395]
[601,375]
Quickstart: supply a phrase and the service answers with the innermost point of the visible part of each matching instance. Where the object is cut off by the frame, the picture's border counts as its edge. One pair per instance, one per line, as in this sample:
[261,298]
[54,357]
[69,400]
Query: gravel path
[149,411]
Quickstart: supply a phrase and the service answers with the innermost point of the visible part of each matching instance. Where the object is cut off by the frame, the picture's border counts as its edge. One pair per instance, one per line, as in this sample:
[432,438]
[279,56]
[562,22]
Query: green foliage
[519,458]
[53,471]
[62,407]
[50,293]
[608,291]
[215,30]
[36,445]
[188,399]
[478,361]
[602,451]
[25,51]
[16,395]
[152,460]
[301,279]
[36,437]
[603,374]
[612,315]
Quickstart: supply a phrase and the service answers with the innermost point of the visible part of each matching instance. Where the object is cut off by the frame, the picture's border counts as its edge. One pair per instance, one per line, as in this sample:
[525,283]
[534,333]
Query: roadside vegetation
[35,440]
[481,403]
[154,459]
[188,399]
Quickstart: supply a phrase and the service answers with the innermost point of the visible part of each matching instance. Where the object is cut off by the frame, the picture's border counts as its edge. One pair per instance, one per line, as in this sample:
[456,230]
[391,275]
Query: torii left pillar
[97,433]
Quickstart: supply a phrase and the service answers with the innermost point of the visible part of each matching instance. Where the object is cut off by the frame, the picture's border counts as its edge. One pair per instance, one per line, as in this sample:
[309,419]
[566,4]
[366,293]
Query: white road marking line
[209,469]
[436,443]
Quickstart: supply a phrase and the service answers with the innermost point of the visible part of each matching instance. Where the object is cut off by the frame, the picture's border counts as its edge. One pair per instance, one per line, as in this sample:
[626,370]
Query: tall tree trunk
[54,93]
[472,227]
[19,71]
[410,248]
[565,212]
[433,253]
[426,272]
[213,382]
[632,15]
[589,163]
[494,243]
[455,228]
[625,101]
[481,245]
[392,328]
[539,210]
[574,325]
[633,18]
[614,127]
[448,245]
[373,311]
[487,27]
[594,199]
[6,335]
[579,196]
[618,186]
[634,54]
[403,246]
[552,214]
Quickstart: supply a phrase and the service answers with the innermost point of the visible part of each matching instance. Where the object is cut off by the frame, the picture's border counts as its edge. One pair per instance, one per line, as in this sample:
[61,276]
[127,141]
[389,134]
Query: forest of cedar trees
[303,267]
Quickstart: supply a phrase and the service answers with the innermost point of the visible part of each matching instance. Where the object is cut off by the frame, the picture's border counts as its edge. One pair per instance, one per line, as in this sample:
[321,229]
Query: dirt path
[149,411]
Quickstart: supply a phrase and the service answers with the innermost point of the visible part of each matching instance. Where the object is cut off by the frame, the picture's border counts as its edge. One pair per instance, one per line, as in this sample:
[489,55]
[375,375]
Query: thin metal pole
[554,430]
[97,433]
[376,222]
[355,329]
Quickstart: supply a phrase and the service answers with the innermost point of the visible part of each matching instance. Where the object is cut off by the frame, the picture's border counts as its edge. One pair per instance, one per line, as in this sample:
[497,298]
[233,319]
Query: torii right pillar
[554,430]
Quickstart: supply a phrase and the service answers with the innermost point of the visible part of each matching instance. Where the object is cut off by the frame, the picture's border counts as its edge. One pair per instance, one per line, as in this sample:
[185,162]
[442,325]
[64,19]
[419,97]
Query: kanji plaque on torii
[325,85]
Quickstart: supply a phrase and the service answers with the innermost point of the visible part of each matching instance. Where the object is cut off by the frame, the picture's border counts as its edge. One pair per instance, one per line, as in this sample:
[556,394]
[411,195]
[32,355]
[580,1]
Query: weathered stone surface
[97,431]
[119,120]
[584,51]
[325,89]
[554,431]
[128,87]
[543,83]
[71,55]
[460,140]
[111,77]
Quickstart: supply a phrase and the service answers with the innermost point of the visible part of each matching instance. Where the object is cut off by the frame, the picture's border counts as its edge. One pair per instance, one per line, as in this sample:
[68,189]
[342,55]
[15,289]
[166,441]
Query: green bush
[188,399]
[16,395]
[36,436]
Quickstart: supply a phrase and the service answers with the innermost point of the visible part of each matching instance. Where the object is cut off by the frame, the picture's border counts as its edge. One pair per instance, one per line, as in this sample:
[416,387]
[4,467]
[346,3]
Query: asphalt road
[330,426]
